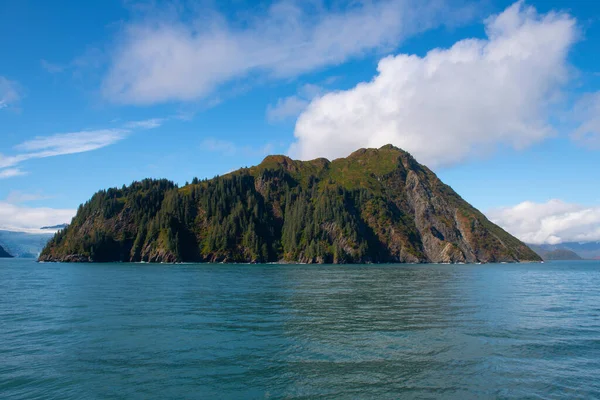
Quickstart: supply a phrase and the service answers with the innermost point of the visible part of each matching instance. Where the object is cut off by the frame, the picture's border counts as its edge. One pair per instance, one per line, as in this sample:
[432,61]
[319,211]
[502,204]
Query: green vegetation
[377,205]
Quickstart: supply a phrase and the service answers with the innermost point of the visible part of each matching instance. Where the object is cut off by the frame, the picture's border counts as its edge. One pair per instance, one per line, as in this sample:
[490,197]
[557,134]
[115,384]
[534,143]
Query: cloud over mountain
[455,103]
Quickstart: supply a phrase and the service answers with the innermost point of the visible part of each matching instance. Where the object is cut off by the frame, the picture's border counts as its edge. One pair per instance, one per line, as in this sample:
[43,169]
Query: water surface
[72,331]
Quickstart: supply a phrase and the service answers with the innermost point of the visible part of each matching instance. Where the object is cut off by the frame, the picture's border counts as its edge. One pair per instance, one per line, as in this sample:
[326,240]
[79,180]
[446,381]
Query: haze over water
[272,331]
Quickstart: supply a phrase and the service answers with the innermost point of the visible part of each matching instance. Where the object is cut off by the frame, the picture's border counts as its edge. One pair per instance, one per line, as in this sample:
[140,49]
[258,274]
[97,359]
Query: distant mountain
[556,254]
[4,253]
[24,245]
[55,227]
[586,250]
[377,205]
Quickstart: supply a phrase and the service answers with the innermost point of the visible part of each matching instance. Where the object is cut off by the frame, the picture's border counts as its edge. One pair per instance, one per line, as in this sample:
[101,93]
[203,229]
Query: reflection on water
[265,331]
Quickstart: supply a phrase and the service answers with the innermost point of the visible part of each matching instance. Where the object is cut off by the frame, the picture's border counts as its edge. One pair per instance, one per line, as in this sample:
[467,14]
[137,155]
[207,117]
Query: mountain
[377,205]
[555,254]
[24,245]
[586,250]
[54,227]
[4,253]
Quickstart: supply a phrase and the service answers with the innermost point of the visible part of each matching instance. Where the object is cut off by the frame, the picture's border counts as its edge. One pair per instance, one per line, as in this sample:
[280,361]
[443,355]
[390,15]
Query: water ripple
[127,331]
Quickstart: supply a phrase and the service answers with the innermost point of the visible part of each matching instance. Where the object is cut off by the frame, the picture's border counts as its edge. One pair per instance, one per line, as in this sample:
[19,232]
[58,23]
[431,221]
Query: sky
[501,99]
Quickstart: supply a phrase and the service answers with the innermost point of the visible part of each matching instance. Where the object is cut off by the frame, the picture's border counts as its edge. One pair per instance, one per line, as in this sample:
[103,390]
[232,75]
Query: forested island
[375,206]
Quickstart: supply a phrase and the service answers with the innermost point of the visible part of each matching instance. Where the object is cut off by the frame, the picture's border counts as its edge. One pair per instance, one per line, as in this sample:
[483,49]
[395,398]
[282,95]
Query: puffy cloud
[552,222]
[452,103]
[169,58]
[16,217]
[10,92]
[587,110]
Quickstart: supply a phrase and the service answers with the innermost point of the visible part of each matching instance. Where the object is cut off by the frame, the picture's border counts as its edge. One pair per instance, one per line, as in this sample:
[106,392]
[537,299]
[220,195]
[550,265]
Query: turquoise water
[266,331]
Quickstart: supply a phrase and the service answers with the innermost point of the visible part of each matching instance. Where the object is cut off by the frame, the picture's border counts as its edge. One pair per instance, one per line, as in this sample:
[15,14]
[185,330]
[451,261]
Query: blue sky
[501,99]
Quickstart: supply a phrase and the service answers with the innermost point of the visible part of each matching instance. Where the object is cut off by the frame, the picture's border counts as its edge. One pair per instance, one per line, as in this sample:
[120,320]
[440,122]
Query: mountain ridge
[586,250]
[376,205]
[23,244]
[555,254]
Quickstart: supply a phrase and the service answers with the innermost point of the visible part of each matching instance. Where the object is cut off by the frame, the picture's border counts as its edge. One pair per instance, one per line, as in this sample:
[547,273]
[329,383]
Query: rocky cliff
[4,253]
[376,205]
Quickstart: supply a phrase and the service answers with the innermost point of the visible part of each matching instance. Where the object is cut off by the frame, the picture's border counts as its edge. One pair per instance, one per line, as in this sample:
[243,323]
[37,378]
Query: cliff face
[377,205]
[4,253]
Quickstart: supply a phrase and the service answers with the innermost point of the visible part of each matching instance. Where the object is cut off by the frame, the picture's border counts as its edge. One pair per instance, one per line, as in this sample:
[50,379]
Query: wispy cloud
[71,143]
[11,173]
[145,124]
[167,57]
[90,60]
[228,148]
[52,67]
[57,145]
[587,110]
[292,106]
[10,93]
[17,197]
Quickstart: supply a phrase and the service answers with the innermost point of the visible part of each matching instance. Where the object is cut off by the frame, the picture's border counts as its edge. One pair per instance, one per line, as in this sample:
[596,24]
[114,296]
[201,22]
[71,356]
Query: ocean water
[133,331]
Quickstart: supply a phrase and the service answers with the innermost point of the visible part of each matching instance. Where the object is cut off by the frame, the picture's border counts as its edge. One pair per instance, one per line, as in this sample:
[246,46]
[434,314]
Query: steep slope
[4,253]
[377,205]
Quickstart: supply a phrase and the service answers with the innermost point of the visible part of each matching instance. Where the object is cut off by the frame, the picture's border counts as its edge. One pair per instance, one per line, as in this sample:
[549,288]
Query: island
[375,206]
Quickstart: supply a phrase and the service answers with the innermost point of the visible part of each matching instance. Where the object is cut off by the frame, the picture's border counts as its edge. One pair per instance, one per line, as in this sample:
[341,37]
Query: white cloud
[171,58]
[292,106]
[587,110]
[145,124]
[15,217]
[11,173]
[60,144]
[452,103]
[552,222]
[10,93]
[71,143]
[228,148]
